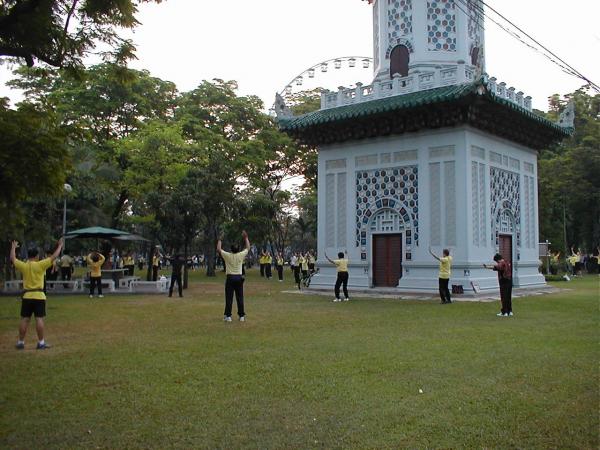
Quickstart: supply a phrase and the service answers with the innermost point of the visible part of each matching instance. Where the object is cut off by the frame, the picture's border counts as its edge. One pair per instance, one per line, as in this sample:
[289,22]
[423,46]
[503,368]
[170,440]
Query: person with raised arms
[444,275]
[33,300]
[234,282]
[342,276]
[95,261]
[279,265]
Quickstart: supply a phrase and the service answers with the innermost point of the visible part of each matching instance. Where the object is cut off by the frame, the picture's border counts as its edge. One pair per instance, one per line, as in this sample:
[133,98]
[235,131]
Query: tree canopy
[61,33]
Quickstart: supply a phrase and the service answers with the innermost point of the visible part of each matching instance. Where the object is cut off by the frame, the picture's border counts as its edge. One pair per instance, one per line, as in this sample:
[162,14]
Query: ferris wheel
[330,73]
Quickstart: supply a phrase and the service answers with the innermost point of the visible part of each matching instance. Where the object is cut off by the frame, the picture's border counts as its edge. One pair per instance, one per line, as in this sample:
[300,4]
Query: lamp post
[67,188]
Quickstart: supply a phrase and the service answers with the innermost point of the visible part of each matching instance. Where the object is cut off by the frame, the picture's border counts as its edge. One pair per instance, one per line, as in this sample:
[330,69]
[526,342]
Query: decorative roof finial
[567,117]
[281,109]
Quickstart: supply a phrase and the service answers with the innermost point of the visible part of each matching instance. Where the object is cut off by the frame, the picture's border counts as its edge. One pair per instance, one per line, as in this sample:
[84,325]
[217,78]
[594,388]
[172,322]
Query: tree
[33,165]
[99,107]
[569,188]
[61,33]
[157,164]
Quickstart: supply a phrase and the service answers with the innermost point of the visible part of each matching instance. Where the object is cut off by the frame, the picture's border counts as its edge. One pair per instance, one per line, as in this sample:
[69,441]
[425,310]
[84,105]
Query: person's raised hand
[244,234]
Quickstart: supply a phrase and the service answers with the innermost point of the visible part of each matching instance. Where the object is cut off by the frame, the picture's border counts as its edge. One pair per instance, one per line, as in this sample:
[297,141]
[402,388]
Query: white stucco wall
[465,231]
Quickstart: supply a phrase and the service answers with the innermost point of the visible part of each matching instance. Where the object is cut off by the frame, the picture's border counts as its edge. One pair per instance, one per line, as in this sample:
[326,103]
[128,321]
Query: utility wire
[481,14]
[565,67]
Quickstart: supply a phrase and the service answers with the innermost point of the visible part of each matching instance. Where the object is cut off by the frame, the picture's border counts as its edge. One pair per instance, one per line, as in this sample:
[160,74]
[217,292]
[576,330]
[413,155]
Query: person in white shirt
[235,281]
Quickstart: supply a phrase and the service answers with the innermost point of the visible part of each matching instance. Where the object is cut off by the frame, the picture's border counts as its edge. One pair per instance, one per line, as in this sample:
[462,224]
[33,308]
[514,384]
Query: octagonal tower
[413,36]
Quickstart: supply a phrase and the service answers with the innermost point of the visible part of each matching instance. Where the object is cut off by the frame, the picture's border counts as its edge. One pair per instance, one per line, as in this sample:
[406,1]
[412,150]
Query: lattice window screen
[482,207]
[341,209]
[450,200]
[330,210]
[435,202]
[475,200]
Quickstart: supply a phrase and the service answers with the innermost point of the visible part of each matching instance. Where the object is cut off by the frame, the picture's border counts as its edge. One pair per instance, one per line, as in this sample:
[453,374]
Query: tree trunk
[149,261]
[210,249]
[185,267]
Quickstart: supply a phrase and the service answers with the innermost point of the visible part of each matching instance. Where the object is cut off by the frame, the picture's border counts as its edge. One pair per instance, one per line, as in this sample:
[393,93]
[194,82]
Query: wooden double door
[387,259]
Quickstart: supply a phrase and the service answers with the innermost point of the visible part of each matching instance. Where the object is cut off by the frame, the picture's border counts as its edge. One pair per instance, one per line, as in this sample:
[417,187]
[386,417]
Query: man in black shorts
[34,298]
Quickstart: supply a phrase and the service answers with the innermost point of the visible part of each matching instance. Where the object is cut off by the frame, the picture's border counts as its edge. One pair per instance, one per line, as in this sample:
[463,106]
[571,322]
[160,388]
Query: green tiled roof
[405,102]
[397,102]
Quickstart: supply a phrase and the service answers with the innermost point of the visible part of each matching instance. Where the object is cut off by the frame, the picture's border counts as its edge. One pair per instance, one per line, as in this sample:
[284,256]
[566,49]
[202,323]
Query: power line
[564,66]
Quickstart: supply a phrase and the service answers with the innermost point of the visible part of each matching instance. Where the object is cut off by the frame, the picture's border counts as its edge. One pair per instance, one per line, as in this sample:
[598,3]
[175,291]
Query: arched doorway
[505,227]
[387,229]
[399,59]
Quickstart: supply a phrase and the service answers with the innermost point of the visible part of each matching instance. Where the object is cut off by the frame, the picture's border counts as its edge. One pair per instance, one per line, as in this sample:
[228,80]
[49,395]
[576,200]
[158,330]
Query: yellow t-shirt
[304,264]
[341,264]
[33,277]
[155,261]
[573,260]
[234,261]
[268,259]
[128,261]
[96,267]
[445,264]
[280,261]
[66,261]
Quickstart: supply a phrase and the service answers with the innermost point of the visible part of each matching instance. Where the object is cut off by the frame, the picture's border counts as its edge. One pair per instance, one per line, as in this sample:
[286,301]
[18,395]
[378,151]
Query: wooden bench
[125,282]
[56,285]
[13,286]
[110,284]
[157,287]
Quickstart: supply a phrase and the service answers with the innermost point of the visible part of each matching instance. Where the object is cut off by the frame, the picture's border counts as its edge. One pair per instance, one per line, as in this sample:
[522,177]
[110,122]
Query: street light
[67,188]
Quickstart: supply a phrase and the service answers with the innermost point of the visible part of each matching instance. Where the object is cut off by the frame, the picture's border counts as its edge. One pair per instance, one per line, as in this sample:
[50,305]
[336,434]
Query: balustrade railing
[418,81]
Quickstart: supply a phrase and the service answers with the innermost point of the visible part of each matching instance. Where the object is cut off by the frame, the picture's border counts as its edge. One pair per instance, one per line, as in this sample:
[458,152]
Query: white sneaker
[101,296]
[347,299]
[335,300]
[91,296]
[227,318]
[510,314]
[242,319]
[502,315]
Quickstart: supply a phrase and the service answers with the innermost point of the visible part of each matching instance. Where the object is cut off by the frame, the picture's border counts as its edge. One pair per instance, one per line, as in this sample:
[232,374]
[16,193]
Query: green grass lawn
[303,372]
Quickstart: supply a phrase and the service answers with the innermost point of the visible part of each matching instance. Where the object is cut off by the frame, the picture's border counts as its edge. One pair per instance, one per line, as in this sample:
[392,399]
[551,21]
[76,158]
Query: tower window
[399,59]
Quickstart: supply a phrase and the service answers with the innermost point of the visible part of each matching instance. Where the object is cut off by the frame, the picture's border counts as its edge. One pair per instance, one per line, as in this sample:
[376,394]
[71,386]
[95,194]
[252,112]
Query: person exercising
[33,300]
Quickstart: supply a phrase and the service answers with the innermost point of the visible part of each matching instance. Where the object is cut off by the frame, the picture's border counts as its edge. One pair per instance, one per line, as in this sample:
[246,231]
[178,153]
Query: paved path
[392,294]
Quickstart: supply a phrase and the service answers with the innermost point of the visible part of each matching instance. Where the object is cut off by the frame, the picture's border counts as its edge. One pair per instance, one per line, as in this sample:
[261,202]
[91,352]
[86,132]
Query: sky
[264,44]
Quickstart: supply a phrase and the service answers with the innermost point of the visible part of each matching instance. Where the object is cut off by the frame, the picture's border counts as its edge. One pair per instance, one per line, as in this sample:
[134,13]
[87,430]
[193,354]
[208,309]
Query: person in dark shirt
[504,270]
[177,263]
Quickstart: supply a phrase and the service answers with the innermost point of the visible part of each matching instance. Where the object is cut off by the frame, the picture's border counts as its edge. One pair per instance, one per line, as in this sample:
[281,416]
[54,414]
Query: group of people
[302,266]
[35,271]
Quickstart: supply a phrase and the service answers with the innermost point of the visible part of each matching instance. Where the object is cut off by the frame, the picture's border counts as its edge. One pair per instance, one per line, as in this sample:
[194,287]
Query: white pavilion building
[432,154]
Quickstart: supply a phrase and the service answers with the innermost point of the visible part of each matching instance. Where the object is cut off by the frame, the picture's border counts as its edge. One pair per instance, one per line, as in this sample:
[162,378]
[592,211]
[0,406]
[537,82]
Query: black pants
[342,279]
[280,272]
[262,270]
[444,291]
[95,281]
[65,274]
[154,273]
[304,275]
[234,283]
[176,277]
[268,271]
[130,270]
[297,275]
[506,294]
